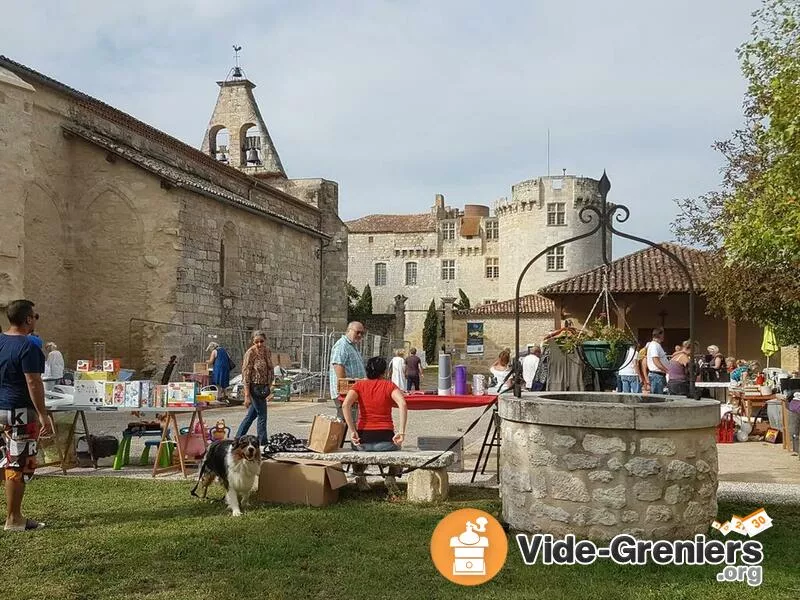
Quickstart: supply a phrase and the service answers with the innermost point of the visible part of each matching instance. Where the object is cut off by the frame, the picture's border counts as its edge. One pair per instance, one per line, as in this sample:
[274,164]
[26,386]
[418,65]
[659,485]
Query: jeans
[359,470]
[412,380]
[258,409]
[658,381]
[376,447]
[629,384]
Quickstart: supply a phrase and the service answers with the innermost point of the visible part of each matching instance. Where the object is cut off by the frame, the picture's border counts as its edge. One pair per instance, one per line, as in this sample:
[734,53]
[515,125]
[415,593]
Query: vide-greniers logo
[469,547]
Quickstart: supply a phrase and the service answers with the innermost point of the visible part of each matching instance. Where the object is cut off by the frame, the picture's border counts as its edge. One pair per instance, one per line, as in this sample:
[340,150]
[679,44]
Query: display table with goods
[102,391]
[715,386]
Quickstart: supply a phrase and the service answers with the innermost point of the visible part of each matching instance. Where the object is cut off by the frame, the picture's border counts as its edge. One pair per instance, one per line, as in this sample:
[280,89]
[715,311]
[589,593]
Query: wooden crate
[345,385]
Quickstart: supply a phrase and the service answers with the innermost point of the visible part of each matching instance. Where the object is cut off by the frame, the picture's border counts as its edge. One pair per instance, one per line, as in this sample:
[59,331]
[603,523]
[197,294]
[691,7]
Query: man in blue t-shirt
[23,416]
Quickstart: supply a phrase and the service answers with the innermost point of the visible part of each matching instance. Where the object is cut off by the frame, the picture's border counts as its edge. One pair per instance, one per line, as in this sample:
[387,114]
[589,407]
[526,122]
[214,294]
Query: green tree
[463,301]
[363,307]
[352,300]
[430,333]
[753,222]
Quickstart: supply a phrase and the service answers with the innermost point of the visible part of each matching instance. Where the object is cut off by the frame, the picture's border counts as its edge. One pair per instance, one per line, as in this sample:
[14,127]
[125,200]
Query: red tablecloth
[433,402]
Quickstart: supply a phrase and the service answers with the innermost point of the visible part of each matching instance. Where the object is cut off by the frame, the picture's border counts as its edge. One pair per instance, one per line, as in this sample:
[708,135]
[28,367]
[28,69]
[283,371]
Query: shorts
[20,431]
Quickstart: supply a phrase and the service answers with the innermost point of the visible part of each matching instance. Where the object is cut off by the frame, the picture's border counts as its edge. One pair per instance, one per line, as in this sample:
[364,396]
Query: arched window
[251,145]
[219,143]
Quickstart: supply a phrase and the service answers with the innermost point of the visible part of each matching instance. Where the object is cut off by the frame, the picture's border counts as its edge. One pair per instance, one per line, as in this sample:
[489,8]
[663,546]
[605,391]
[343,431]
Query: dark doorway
[672,337]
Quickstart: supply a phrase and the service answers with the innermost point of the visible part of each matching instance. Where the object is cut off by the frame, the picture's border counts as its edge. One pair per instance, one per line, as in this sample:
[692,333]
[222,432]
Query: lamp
[337,242]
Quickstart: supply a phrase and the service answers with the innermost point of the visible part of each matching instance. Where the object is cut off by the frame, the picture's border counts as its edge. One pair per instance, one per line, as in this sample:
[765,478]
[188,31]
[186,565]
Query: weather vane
[237,70]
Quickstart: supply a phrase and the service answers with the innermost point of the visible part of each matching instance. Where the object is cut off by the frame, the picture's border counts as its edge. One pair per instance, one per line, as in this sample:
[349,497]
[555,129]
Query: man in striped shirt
[346,361]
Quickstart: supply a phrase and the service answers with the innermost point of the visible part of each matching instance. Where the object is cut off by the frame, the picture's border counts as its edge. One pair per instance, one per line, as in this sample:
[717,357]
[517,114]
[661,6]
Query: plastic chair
[164,460]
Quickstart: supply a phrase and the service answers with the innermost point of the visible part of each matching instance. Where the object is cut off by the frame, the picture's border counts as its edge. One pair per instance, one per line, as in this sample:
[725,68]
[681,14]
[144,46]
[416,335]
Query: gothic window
[448,230]
[555,259]
[448,269]
[492,268]
[411,273]
[492,230]
[380,274]
[556,214]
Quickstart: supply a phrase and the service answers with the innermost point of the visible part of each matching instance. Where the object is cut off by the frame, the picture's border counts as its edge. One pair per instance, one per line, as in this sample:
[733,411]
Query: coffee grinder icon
[469,549]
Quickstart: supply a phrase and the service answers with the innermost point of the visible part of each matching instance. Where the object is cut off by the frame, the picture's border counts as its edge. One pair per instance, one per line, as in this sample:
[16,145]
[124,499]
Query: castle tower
[237,134]
[542,212]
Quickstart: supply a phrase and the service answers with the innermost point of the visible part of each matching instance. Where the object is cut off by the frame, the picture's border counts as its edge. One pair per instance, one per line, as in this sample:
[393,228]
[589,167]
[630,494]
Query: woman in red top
[376,397]
[375,431]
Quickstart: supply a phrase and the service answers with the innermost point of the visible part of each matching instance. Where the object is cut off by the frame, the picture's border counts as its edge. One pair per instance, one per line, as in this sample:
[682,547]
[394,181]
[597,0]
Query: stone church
[106,219]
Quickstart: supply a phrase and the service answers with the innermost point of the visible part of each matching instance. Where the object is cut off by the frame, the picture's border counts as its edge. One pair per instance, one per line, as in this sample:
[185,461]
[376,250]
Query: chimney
[439,204]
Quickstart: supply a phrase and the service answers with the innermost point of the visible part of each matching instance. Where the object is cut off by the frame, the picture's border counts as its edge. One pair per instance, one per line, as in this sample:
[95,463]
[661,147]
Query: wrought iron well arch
[605,224]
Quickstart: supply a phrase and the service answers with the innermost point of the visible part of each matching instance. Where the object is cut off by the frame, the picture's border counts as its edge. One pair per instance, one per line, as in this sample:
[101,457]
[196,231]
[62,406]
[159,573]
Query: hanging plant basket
[601,356]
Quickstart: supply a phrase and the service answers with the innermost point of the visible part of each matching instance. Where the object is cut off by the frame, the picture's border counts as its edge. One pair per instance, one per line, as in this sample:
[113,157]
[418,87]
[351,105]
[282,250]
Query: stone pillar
[399,317]
[448,302]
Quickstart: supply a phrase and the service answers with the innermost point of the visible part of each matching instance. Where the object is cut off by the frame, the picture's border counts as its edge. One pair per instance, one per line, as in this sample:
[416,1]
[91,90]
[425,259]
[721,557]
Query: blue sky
[399,100]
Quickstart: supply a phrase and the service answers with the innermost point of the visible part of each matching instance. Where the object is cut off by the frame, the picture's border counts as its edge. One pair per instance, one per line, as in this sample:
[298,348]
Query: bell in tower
[237,134]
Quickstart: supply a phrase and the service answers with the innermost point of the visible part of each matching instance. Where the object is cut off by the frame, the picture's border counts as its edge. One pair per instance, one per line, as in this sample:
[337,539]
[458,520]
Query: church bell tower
[236,134]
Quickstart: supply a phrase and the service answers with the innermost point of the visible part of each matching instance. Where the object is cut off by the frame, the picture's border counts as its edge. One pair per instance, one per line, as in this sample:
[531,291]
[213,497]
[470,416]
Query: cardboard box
[200,367]
[300,481]
[326,434]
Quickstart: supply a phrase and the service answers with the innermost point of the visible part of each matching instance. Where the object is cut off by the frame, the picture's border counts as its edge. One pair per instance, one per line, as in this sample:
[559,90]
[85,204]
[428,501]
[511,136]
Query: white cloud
[400,100]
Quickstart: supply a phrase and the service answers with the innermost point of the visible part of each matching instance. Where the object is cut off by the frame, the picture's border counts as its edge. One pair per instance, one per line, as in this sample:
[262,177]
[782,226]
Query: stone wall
[597,482]
[499,333]
[790,358]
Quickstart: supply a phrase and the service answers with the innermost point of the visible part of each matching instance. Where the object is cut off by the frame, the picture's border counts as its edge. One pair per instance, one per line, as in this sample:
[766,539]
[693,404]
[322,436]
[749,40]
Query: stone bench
[427,484]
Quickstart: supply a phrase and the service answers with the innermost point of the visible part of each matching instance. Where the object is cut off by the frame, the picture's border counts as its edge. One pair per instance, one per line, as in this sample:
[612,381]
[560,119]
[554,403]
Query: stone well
[598,464]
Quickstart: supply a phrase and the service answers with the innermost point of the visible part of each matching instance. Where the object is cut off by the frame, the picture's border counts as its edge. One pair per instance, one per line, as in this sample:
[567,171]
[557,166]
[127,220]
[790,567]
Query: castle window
[380,274]
[492,268]
[411,273]
[370,239]
[555,259]
[397,252]
[492,230]
[448,230]
[491,301]
[448,269]
[556,214]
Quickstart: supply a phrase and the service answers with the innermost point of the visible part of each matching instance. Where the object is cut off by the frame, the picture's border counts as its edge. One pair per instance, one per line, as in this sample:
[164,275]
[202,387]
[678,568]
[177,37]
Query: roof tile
[393,224]
[532,304]
[646,271]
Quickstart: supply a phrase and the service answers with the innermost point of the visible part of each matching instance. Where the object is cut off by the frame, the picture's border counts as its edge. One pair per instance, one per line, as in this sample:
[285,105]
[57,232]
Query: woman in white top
[53,365]
[398,369]
[500,370]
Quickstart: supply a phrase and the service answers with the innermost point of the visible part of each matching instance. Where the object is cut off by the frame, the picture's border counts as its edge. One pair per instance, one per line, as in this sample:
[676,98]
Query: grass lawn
[114,538]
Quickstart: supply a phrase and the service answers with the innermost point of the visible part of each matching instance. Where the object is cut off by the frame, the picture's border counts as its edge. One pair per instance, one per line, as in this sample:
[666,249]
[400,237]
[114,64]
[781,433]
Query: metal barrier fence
[152,343]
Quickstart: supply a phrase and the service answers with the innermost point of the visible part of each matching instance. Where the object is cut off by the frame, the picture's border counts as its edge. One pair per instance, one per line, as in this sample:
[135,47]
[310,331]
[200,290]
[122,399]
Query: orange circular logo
[469,546]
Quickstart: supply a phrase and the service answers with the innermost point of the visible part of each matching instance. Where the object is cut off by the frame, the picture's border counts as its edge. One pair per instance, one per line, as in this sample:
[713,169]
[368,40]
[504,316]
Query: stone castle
[430,256]
[107,219]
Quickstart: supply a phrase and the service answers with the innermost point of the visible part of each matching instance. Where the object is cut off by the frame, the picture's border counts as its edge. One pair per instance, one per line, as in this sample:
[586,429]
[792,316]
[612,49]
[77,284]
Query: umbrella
[769,345]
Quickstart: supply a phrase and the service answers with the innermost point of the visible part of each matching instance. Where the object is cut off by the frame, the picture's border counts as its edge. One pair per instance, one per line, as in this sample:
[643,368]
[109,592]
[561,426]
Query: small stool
[164,460]
[123,456]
